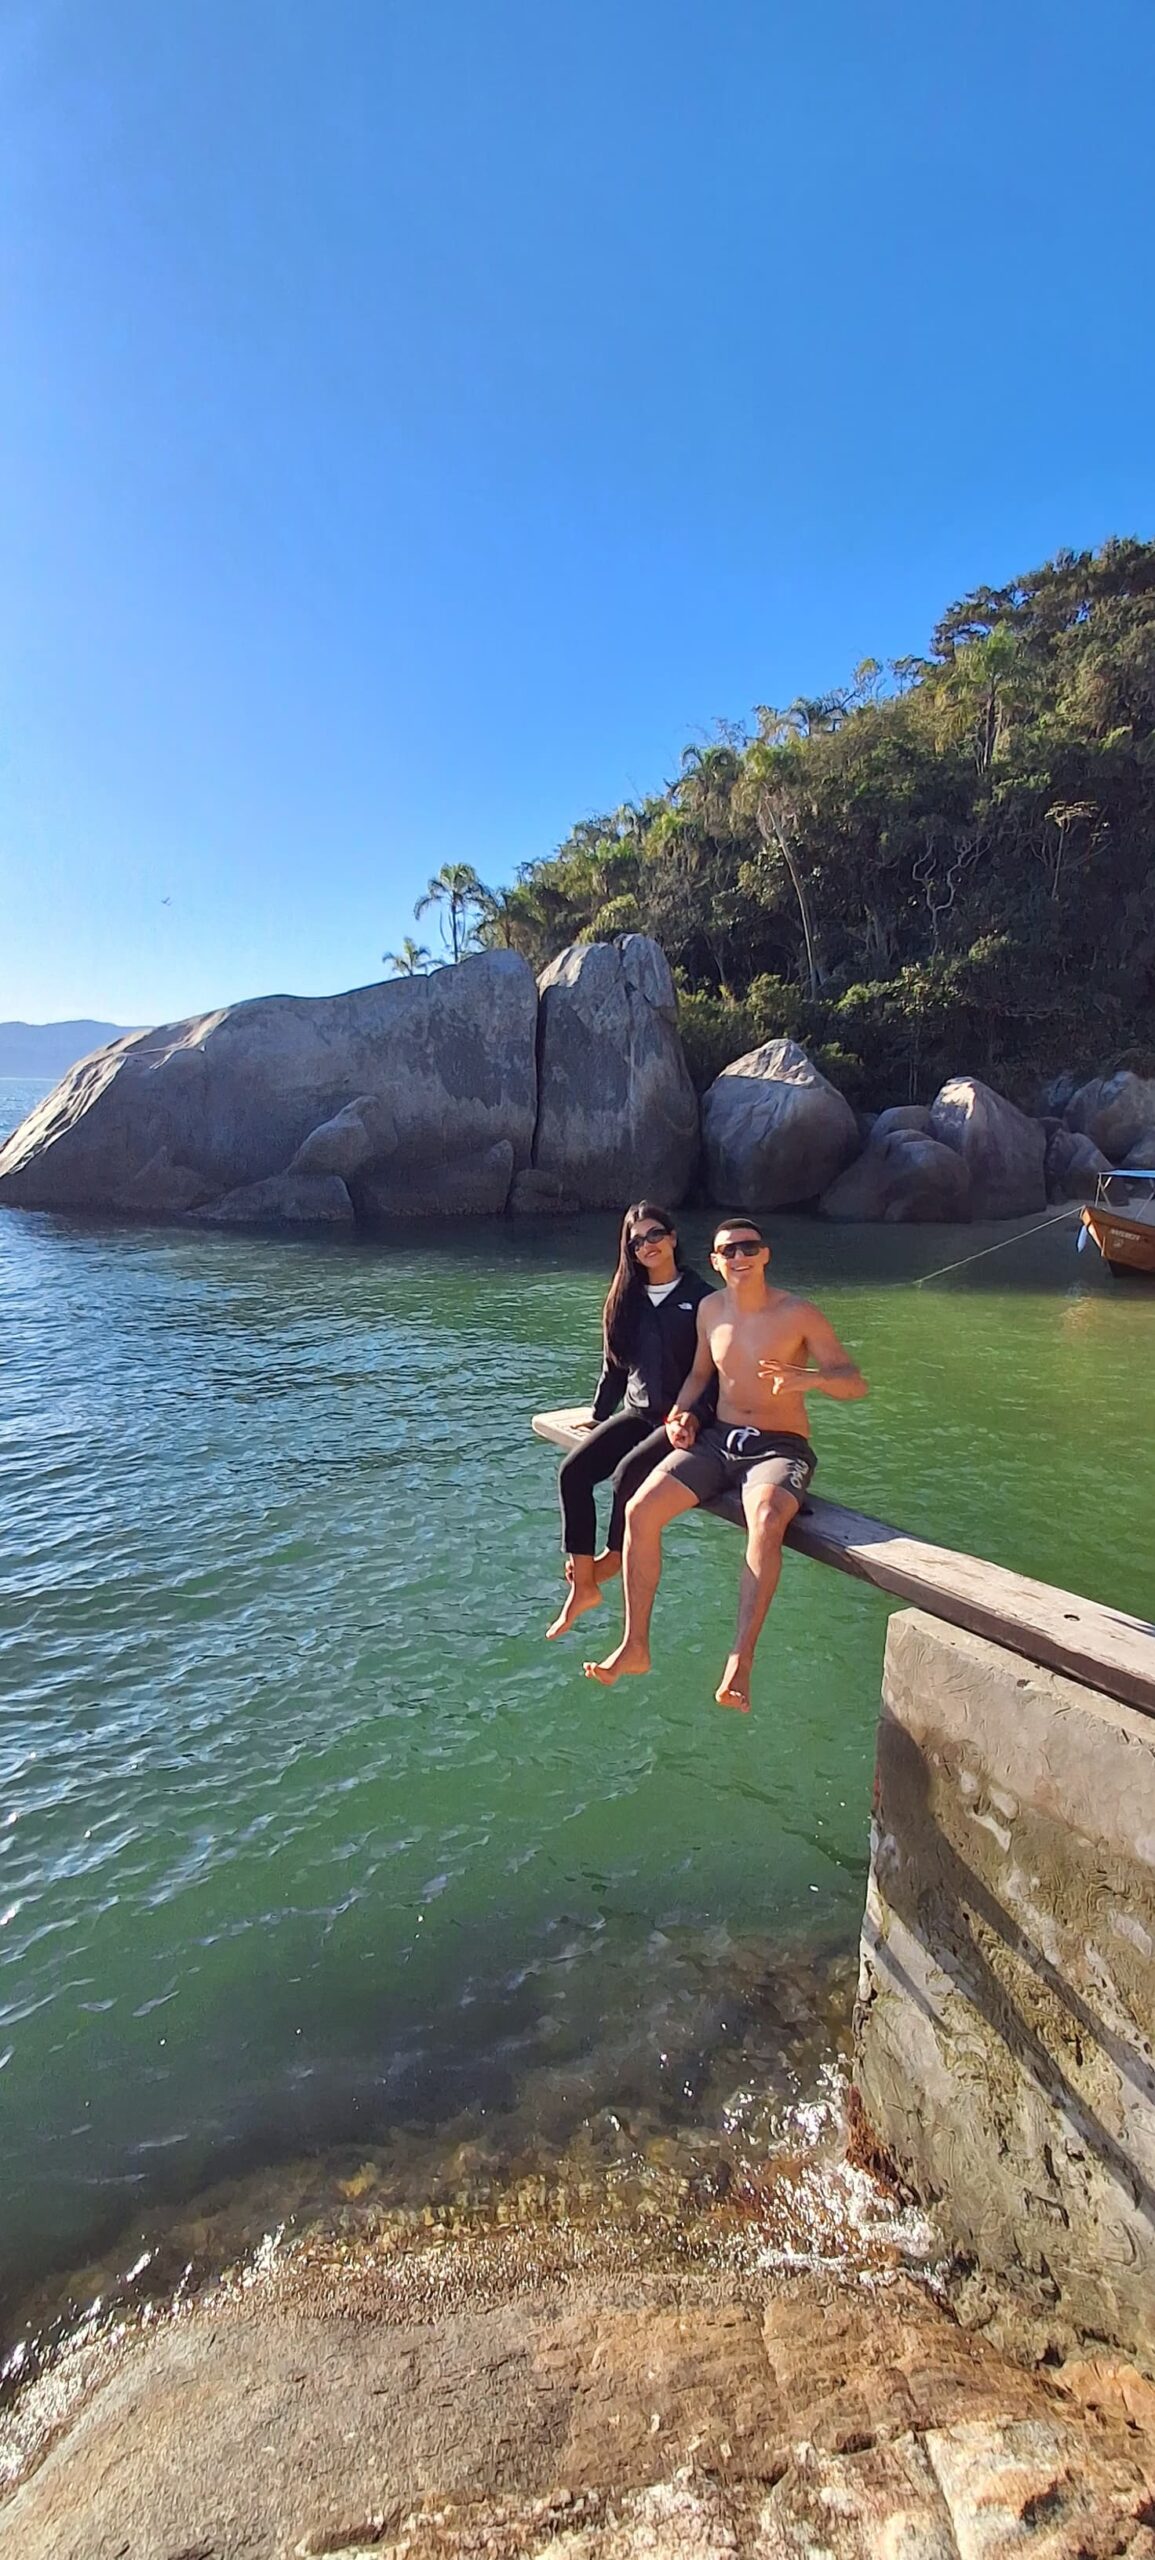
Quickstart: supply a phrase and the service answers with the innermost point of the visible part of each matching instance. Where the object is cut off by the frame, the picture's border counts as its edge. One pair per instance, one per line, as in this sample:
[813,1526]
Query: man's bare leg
[661,1498]
[583,1594]
[769,1511]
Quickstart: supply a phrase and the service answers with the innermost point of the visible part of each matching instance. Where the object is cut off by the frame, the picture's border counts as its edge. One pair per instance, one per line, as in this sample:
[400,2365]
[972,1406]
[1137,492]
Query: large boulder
[1073,1164]
[1003,1151]
[1116,1111]
[446,1062]
[617,1112]
[903,1179]
[773,1130]
[473,1186]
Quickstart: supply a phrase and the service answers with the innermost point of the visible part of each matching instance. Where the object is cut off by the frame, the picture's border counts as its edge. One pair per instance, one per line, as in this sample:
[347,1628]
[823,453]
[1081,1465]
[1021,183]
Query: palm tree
[457,888]
[411,961]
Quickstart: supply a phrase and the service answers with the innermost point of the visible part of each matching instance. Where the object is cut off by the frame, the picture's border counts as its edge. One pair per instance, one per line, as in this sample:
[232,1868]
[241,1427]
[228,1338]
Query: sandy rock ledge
[569,2398]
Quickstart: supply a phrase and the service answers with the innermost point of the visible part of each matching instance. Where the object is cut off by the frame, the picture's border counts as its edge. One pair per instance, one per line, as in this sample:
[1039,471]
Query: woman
[649,1333]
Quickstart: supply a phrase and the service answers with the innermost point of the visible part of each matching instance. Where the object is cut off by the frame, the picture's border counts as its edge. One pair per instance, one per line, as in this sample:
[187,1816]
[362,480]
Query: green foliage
[944,868]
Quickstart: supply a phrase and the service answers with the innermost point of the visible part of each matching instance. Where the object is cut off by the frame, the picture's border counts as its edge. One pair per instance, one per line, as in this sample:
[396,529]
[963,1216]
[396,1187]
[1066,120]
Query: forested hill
[947,866]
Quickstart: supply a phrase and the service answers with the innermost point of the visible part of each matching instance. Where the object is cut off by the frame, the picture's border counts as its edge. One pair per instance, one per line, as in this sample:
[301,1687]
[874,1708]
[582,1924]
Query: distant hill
[50,1048]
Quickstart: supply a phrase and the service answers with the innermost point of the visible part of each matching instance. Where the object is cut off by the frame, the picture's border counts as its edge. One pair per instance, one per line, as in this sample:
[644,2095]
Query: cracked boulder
[617,1112]
[429,1069]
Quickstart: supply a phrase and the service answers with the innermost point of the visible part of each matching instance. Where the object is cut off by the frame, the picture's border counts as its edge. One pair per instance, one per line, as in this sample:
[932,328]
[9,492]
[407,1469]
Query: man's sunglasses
[650,1235]
[746,1247]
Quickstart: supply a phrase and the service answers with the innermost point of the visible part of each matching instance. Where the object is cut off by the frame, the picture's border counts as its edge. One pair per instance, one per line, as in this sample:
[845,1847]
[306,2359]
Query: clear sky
[419,418]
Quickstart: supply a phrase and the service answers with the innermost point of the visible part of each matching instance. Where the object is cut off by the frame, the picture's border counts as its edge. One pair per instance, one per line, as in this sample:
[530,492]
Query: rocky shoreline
[478,1091]
[586,2392]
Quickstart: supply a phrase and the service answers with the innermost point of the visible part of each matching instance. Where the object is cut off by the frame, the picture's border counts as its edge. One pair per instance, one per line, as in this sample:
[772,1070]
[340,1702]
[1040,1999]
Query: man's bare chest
[739,1342]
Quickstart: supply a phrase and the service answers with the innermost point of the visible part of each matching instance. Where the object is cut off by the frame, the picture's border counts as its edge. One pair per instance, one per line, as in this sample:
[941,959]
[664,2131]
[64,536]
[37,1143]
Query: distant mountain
[51,1048]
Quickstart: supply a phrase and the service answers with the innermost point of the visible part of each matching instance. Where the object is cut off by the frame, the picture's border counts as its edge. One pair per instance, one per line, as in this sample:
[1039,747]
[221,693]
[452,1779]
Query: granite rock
[1002,1149]
[1072,1164]
[473,1186]
[235,1095]
[773,1130]
[901,1179]
[617,1112]
[1116,1111]
[282,1200]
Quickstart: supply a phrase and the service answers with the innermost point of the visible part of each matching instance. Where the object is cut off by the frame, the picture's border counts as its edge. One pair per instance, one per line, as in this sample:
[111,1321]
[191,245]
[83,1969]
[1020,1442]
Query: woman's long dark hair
[620,1313]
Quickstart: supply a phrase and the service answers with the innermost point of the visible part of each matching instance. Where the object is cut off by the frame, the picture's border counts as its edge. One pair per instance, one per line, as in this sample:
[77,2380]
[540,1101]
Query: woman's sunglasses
[746,1247]
[649,1235]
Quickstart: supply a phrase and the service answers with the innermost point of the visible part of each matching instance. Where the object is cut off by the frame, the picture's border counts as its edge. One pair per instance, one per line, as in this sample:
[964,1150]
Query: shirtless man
[762,1342]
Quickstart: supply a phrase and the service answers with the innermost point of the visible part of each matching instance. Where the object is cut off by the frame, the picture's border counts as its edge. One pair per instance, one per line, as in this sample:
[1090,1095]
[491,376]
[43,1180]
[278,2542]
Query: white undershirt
[656,1296]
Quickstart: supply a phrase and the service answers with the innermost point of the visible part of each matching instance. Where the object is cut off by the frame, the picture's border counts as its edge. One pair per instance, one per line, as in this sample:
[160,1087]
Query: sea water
[309,1843]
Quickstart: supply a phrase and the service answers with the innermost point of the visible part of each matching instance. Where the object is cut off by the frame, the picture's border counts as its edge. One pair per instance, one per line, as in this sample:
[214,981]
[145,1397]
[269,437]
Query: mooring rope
[1001,1247]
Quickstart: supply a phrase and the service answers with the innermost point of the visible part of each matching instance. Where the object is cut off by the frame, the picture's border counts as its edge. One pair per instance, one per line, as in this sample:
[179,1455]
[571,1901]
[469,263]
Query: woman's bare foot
[734,1688]
[579,1597]
[625,1657]
[608,1565]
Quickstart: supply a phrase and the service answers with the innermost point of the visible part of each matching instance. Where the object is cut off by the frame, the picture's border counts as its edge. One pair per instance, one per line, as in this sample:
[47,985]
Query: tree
[770,770]
[411,961]
[457,890]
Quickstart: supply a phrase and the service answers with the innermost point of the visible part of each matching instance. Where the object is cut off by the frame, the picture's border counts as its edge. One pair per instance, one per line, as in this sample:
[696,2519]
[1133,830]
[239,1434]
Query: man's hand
[840,1379]
[681,1427]
[784,1377]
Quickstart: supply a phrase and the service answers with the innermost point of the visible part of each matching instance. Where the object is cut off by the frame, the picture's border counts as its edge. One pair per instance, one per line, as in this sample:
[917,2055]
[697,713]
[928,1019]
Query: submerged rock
[773,1130]
[617,1112]
[1002,1149]
[431,1069]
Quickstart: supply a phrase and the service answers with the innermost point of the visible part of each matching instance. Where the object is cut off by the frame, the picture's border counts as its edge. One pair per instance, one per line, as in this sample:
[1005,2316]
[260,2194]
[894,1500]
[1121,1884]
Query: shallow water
[309,1842]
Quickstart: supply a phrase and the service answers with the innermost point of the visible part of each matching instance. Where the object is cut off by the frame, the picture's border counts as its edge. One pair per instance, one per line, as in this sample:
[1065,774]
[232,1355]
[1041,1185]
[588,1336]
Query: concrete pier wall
[1006,2025]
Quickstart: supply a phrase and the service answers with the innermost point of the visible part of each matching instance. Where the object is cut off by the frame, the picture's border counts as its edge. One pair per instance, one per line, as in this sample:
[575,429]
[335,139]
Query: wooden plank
[1102,1646]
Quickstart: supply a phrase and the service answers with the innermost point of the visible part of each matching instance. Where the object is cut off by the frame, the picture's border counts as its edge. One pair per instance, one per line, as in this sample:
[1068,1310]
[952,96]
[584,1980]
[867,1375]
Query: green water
[306,1834]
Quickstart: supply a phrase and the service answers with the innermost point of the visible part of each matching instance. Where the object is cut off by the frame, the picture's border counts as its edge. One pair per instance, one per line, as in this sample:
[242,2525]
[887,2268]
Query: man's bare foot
[625,1657]
[734,1687]
[608,1565]
[579,1598]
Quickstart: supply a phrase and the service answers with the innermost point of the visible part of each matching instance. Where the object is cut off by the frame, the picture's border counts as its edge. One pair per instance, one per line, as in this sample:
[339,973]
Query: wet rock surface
[581,2395]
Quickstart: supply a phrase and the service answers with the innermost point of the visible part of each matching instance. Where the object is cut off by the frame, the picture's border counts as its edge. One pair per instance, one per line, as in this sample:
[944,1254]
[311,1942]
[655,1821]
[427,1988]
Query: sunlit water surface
[313,1855]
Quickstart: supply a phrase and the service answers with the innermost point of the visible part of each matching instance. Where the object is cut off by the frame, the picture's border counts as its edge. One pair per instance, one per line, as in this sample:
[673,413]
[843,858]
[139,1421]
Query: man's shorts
[726,1457]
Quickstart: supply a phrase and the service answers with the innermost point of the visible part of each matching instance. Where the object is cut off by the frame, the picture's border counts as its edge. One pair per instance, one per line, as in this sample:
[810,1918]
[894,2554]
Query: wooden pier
[1058,1629]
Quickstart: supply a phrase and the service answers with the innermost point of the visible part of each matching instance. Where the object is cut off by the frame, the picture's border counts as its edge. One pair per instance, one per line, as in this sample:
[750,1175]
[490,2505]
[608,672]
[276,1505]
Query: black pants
[625,1449]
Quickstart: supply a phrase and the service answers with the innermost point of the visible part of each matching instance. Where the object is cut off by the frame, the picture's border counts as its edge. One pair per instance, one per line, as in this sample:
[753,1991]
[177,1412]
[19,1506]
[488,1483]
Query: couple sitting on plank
[715,1384]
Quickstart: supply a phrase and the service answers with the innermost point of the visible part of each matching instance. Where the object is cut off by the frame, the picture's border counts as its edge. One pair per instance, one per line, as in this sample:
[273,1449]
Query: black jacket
[662,1354]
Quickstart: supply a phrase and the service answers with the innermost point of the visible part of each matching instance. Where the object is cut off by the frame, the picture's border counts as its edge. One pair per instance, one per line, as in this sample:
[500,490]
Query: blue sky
[419,418]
